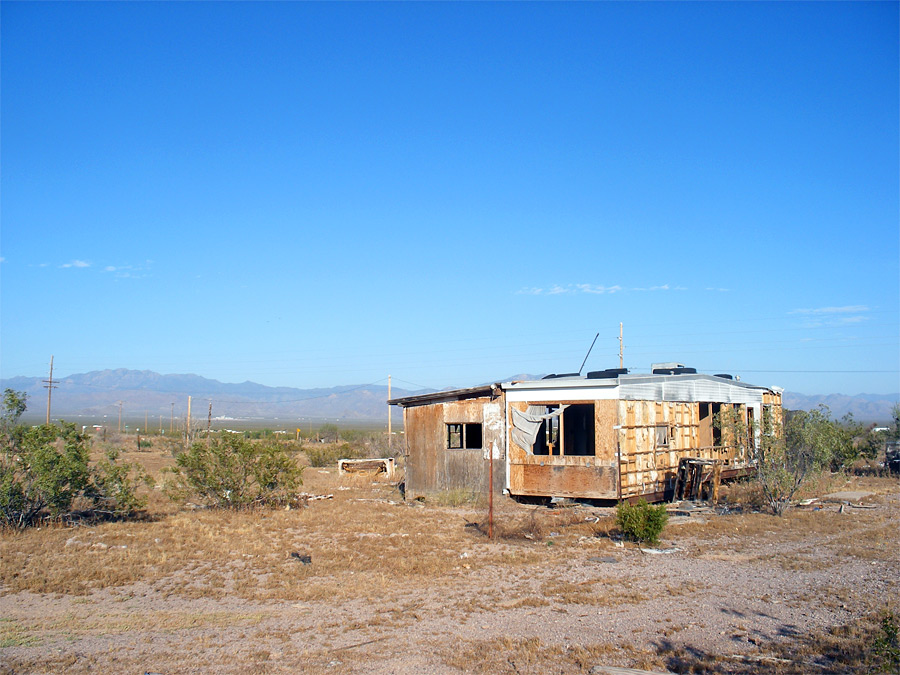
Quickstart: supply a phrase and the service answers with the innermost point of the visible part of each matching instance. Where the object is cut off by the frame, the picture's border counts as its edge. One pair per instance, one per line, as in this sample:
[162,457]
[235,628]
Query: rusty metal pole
[491,492]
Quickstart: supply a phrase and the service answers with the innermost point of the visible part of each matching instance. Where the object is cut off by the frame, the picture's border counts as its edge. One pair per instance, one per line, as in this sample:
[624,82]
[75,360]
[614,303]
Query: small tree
[786,459]
[233,472]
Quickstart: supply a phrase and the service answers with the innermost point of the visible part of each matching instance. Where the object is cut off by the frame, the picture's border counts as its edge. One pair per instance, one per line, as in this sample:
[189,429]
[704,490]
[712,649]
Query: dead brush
[539,523]
[603,592]
[515,656]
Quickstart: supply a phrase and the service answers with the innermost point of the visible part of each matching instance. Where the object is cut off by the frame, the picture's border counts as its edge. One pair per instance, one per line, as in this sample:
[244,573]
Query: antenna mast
[588,354]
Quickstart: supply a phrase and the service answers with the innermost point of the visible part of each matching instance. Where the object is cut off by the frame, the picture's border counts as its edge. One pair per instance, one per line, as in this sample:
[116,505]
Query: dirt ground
[407,587]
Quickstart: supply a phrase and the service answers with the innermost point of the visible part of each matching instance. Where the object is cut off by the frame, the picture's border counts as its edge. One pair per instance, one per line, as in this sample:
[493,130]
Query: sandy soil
[723,593]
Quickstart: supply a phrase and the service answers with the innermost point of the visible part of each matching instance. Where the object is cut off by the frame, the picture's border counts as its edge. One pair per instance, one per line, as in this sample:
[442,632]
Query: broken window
[464,436]
[555,429]
[662,436]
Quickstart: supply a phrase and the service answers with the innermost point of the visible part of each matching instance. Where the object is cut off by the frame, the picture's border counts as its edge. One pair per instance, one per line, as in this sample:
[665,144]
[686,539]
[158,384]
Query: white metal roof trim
[691,390]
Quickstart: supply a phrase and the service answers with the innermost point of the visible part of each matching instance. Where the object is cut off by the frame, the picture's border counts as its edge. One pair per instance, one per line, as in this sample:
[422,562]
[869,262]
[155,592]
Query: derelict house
[607,435]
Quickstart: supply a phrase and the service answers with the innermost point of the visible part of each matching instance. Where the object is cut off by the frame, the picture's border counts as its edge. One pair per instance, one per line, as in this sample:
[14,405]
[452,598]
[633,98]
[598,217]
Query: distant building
[607,435]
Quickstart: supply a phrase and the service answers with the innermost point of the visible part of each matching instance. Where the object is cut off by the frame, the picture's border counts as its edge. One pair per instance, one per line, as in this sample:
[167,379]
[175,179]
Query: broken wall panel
[436,462]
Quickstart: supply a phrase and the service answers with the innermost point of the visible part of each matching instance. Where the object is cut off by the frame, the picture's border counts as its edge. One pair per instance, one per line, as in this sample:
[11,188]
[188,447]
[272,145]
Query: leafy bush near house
[641,522]
[233,472]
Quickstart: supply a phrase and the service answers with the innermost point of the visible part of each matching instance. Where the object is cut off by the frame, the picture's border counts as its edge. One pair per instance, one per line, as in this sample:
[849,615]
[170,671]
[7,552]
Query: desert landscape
[362,581]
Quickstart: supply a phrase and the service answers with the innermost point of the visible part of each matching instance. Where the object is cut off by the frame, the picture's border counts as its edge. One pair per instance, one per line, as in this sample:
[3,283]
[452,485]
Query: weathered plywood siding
[591,477]
[431,466]
[647,467]
[424,430]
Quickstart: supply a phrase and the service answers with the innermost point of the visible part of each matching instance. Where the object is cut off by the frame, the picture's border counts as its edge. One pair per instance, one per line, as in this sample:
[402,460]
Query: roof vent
[554,376]
[724,376]
[681,370]
[606,374]
[668,365]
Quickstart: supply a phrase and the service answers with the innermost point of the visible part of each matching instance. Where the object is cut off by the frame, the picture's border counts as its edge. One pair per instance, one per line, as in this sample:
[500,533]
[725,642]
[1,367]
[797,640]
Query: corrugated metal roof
[684,387]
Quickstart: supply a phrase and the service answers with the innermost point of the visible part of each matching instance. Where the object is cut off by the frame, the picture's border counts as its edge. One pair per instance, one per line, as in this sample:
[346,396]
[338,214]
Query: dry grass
[386,566]
[520,656]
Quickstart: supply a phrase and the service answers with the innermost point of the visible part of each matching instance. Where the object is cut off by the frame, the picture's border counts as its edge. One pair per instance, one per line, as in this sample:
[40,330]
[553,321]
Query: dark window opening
[468,436]
[569,433]
[716,409]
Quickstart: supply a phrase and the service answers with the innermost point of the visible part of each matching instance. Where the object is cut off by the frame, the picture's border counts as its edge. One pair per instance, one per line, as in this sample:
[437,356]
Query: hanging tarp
[526,425]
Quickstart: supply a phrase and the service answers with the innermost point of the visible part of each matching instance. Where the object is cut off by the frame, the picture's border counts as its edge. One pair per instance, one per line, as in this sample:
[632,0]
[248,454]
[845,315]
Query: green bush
[114,486]
[45,471]
[641,522]
[327,455]
[886,645]
[233,472]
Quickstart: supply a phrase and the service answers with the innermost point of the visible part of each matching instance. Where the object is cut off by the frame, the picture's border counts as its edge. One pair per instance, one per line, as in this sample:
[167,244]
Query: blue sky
[316,194]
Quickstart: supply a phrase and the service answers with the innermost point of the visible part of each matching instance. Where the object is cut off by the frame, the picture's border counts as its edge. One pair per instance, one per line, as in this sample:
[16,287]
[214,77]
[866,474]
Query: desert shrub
[45,471]
[810,441]
[885,653]
[232,472]
[641,522]
[330,433]
[327,455]
[746,493]
[113,489]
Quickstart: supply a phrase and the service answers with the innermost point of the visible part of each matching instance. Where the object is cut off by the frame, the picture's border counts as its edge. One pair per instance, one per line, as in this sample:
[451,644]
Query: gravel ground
[744,604]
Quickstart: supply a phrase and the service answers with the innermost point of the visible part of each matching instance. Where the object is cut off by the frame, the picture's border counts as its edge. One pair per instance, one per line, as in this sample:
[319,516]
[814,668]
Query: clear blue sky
[309,194]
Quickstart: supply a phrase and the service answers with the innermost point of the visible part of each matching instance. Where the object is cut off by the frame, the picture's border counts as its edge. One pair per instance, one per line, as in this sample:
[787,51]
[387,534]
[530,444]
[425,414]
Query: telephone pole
[172,421]
[208,423]
[390,437]
[187,427]
[50,387]
[120,417]
[621,348]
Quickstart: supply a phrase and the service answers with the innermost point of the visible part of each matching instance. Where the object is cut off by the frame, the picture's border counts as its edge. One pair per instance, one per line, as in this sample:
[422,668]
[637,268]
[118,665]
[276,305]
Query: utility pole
[160,425]
[187,428]
[172,421]
[390,437]
[50,387]
[208,423]
[621,348]
[120,417]
[146,428]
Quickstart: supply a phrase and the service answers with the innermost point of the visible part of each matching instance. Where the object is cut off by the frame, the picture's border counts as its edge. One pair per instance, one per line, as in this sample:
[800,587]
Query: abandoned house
[608,435]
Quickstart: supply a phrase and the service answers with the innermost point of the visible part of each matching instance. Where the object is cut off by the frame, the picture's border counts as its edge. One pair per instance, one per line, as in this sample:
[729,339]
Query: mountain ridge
[99,392]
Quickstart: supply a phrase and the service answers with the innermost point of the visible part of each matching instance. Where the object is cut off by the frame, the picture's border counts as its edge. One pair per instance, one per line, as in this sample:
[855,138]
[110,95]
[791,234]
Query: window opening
[716,408]
[662,436]
[565,430]
[464,435]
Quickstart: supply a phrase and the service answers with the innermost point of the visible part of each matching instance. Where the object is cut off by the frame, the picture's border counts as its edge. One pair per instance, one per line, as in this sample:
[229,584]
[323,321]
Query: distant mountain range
[141,392]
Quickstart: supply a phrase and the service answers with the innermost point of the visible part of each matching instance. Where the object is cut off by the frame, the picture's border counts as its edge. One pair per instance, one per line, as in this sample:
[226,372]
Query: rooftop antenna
[588,354]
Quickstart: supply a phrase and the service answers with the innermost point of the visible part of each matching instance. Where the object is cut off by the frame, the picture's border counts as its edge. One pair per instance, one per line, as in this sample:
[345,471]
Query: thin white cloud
[2,259]
[594,289]
[76,263]
[718,290]
[129,271]
[597,290]
[823,311]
